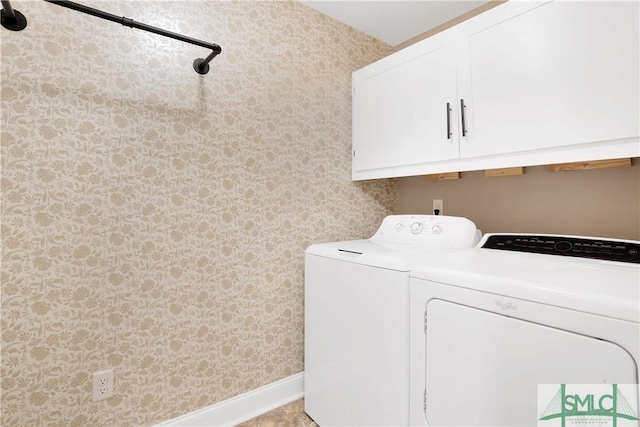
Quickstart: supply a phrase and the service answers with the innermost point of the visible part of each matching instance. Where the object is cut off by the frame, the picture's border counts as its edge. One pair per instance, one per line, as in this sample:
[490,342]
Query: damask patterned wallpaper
[153,219]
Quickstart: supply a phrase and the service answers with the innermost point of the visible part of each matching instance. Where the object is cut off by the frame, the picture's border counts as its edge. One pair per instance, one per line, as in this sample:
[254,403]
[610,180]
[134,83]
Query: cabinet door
[560,74]
[400,113]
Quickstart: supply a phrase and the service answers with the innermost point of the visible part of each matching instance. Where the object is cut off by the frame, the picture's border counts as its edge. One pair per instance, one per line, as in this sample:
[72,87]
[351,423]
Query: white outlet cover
[102,385]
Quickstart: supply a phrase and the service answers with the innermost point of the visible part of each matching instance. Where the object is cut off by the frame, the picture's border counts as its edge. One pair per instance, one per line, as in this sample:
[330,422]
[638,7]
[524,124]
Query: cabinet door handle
[464,124]
[448,120]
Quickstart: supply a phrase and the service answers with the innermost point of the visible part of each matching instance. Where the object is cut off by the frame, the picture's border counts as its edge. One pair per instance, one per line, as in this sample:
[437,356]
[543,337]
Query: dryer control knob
[436,229]
[399,226]
[416,227]
[563,246]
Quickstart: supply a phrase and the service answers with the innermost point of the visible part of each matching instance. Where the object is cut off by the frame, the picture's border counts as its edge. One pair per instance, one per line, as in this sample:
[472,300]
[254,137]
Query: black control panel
[607,250]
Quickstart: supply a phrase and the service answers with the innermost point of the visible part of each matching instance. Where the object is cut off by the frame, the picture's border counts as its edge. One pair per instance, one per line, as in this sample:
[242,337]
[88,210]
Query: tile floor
[291,415]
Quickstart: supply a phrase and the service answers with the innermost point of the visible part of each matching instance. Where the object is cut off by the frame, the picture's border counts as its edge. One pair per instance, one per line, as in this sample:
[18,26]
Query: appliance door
[356,343]
[483,368]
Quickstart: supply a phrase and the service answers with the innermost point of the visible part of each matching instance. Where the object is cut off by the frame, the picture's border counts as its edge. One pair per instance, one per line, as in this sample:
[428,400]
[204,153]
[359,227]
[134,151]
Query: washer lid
[393,256]
[601,287]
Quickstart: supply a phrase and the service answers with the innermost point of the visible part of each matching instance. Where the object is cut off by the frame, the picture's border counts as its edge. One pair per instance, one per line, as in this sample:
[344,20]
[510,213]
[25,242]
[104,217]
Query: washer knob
[399,226]
[416,227]
[436,229]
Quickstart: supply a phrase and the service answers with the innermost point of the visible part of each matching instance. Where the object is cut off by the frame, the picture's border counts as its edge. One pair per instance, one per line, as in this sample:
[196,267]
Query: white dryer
[357,318]
[489,324]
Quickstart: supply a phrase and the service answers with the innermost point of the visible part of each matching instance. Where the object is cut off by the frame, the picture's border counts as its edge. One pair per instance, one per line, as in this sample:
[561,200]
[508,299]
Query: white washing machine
[357,318]
[489,324]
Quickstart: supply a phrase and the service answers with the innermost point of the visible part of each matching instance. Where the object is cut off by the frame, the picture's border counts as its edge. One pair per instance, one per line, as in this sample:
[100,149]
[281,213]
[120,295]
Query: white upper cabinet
[561,74]
[540,82]
[400,111]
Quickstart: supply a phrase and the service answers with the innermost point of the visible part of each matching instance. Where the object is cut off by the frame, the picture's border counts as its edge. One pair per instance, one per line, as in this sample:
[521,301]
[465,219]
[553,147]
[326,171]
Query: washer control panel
[436,231]
[583,247]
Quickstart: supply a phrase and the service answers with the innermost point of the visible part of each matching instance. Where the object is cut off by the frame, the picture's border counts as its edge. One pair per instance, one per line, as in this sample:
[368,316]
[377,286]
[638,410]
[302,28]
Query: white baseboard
[244,406]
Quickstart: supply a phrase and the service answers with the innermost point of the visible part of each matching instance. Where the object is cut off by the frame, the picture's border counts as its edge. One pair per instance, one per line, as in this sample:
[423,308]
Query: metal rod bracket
[202,65]
[14,23]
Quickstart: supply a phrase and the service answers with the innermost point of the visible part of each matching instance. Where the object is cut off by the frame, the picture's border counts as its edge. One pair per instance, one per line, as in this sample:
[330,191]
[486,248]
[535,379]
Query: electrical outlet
[438,207]
[102,385]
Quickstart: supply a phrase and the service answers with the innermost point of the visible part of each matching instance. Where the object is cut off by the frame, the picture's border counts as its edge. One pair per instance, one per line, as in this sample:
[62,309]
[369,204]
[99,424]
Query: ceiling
[393,21]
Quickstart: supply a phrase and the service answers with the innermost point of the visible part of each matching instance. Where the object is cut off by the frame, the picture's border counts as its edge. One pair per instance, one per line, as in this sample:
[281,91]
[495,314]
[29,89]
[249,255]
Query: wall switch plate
[438,207]
[102,385]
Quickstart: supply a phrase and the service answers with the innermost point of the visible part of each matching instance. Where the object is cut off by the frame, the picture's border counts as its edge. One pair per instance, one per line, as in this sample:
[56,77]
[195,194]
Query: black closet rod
[200,65]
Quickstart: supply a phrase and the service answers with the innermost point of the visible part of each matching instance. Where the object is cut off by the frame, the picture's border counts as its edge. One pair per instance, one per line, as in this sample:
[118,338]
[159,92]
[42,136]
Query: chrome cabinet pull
[464,125]
[448,120]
